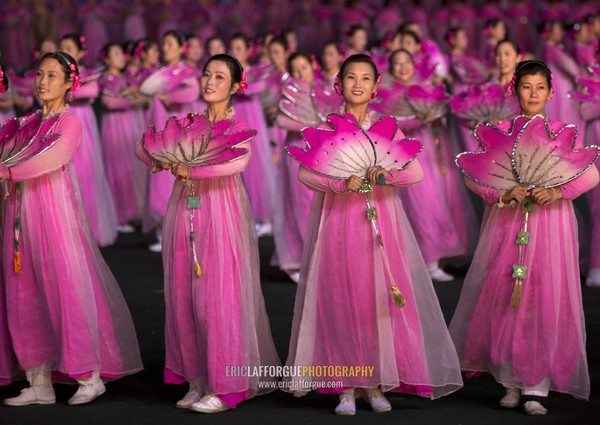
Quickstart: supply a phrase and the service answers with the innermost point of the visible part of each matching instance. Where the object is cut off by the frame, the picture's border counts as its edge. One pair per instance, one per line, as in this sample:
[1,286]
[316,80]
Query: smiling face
[358,41]
[507,59]
[302,69]
[50,81]
[533,92]
[216,82]
[358,83]
[403,68]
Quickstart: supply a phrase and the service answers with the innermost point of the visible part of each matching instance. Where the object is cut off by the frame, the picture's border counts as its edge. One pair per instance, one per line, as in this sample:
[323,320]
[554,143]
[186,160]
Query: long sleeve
[188,92]
[320,183]
[491,196]
[52,158]
[410,175]
[89,90]
[581,184]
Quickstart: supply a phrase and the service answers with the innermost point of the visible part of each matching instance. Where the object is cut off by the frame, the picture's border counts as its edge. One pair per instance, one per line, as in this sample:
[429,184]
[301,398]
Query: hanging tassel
[198,269]
[17,262]
[397,296]
[515,300]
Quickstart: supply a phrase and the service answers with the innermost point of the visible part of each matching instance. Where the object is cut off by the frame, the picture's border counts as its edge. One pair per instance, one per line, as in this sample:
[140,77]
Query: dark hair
[393,55]
[510,42]
[297,55]
[75,38]
[177,35]
[451,34]
[65,60]
[240,36]
[353,29]
[406,24]
[281,41]
[4,79]
[493,23]
[532,67]
[334,44]
[188,37]
[412,34]
[211,39]
[235,67]
[358,58]
[106,50]
[148,44]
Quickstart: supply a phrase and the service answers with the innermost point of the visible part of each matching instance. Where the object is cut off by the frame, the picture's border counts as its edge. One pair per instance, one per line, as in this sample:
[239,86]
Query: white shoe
[87,393]
[210,403]
[440,276]
[377,400]
[295,276]
[33,395]
[125,228]
[264,229]
[156,247]
[593,279]
[192,396]
[347,404]
[534,408]
[511,399]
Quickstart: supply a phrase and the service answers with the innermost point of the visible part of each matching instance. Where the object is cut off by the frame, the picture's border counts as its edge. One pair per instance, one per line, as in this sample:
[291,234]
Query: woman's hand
[353,183]
[375,172]
[543,196]
[158,166]
[427,118]
[182,171]
[517,193]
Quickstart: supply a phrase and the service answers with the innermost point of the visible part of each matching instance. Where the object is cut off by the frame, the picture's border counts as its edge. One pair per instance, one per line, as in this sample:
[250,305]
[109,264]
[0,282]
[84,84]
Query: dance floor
[144,399]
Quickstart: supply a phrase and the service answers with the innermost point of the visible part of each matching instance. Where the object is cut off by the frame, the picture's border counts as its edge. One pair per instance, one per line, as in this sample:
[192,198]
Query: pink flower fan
[166,79]
[589,87]
[393,101]
[487,102]
[426,100]
[530,154]
[25,85]
[469,69]
[308,105]
[21,139]
[346,149]
[194,141]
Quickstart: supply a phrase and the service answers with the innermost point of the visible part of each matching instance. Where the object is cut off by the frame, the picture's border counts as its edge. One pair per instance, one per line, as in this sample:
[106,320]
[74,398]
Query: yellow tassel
[515,301]
[17,262]
[198,269]
[399,299]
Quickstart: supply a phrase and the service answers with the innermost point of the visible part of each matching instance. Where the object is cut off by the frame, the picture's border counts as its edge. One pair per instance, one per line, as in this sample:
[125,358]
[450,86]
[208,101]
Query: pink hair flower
[74,75]
[243,84]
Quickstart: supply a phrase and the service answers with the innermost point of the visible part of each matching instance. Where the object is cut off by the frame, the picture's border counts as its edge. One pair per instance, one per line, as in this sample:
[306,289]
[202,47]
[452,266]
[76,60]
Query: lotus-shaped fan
[469,69]
[308,105]
[530,154]
[393,101]
[20,142]
[488,102]
[589,87]
[427,100]
[194,141]
[346,149]
[166,79]
[25,85]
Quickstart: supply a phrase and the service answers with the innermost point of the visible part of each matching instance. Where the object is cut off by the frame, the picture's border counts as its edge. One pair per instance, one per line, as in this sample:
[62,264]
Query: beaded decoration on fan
[309,105]
[487,102]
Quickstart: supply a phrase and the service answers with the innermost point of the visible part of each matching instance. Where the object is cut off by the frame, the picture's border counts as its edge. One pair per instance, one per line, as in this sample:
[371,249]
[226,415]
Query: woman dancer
[88,160]
[122,126]
[71,320]
[536,342]
[217,319]
[344,314]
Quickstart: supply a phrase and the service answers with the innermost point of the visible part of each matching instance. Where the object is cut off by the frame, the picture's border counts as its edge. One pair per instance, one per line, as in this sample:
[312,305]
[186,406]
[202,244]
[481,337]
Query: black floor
[144,399]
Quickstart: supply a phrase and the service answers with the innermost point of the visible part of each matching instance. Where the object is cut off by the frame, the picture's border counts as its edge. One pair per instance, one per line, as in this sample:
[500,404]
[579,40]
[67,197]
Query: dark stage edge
[144,399]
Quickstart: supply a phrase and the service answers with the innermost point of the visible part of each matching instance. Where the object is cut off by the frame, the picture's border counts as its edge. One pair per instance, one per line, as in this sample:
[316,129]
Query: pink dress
[344,314]
[217,320]
[291,204]
[65,310]
[181,93]
[590,112]
[122,127]
[543,340]
[259,175]
[94,18]
[89,165]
